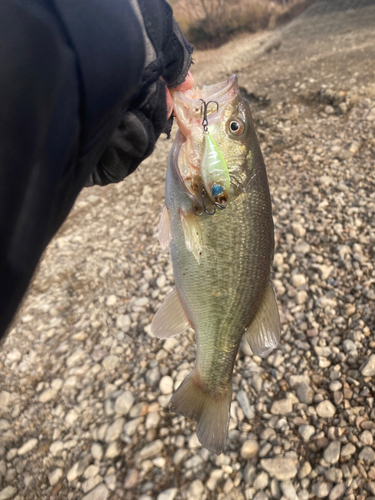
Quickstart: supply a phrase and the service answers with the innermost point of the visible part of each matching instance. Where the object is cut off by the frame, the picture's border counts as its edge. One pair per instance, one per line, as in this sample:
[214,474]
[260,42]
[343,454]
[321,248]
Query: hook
[204,112]
[204,210]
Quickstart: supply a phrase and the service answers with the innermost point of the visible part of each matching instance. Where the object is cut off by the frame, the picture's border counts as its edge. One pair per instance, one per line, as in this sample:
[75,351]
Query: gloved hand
[168,58]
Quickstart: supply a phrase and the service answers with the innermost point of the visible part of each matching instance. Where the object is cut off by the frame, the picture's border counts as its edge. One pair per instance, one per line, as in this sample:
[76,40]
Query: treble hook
[204,210]
[204,113]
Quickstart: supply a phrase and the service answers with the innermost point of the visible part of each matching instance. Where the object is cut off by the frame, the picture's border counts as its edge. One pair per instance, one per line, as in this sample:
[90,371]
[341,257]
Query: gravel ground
[84,388]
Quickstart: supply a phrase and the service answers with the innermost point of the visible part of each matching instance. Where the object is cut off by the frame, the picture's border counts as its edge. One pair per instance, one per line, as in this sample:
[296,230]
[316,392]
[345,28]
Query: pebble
[48,395]
[113,450]
[91,483]
[97,452]
[321,490]
[215,476]
[169,494]
[367,454]
[131,479]
[101,492]
[151,449]
[111,362]
[282,407]
[368,370]
[55,476]
[305,393]
[288,490]
[337,491]
[244,402]
[166,385]
[28,446]
[153,376]
[123,322]
[196,490]
[282,468]
[8,492]
[114,431]
[261,481]
[124,403]
[306,432]
[56,448]
[152,420]
[332,452]
[348,450]
[304,470]
[325,409]
[249,449]
[130,428]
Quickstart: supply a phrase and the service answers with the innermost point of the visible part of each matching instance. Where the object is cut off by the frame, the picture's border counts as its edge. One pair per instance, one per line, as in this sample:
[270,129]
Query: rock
[249,449]
[97,452]
[55,476]
[111,300]
[304,470]
[152,420]
[194,442]
[91,483]
[196,490]
[281,468]
[321,490]
[306,432]
[302,297]
[151,449]
[305,393]
[48,395]
[76,358]
[298,230]
[332,452]
[161,281]
[278,259]
[348,450]
[111,481]
[337,491]
[124,402]
[367,454]
[215,476]
[130,428]
[288,490]
[28,446]
[325,409]
[114,431]
[123,322]
[91,471]
[56,448]
[101,492]
[8,492]
[153,376]
[303,247]
[282,407]
[166,385]
[113,450]
[325,272]
[261,481]
[131,479]
[169,494]
[368,370]
[298,280]
[333,475]
[71,417]
[110,362]
[244,402]
[366,438]
[326,180]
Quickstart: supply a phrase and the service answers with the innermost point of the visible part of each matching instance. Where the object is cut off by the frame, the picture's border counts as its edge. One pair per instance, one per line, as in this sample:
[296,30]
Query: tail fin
[210,411]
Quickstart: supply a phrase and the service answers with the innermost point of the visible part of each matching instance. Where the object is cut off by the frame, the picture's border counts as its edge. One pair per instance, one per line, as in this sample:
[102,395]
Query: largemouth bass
[222,251]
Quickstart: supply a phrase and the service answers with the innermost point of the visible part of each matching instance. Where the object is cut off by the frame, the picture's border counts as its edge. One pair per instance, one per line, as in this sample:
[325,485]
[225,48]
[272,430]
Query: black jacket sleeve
[69,69]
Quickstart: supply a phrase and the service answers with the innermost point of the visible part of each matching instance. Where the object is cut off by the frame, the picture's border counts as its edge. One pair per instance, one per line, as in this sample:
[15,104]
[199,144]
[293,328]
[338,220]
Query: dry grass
[209,23]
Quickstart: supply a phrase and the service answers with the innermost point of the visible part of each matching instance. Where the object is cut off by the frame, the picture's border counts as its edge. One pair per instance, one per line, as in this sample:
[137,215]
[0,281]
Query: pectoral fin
[192,233]
[170,319]
[164,227]
[263,333]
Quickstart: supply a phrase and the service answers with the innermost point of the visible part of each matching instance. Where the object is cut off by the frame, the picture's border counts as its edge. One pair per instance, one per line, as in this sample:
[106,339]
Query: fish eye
[236,126]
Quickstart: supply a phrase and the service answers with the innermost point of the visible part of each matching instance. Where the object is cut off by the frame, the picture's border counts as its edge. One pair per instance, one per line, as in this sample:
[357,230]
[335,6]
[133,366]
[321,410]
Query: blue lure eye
[216,190]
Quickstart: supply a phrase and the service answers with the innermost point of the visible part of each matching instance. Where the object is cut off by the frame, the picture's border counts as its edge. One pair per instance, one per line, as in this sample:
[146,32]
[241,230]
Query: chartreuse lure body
[214,172]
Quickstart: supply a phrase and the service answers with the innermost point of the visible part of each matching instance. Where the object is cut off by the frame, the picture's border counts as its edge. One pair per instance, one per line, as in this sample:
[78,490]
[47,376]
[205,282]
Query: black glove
[168,58]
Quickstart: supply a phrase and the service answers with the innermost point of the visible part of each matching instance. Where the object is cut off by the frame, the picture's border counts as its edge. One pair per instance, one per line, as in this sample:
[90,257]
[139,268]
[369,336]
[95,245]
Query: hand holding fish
[218,224]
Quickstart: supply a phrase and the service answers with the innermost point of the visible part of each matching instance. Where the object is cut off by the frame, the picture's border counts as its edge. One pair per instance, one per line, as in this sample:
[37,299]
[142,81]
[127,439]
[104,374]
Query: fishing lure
[214,170]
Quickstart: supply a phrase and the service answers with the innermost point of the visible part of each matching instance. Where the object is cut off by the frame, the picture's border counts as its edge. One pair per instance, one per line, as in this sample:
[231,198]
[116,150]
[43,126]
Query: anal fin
[170,319]
[263,334]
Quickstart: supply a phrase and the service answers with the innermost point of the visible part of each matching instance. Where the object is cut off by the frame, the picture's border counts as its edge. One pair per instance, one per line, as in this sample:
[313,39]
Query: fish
[222,252]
